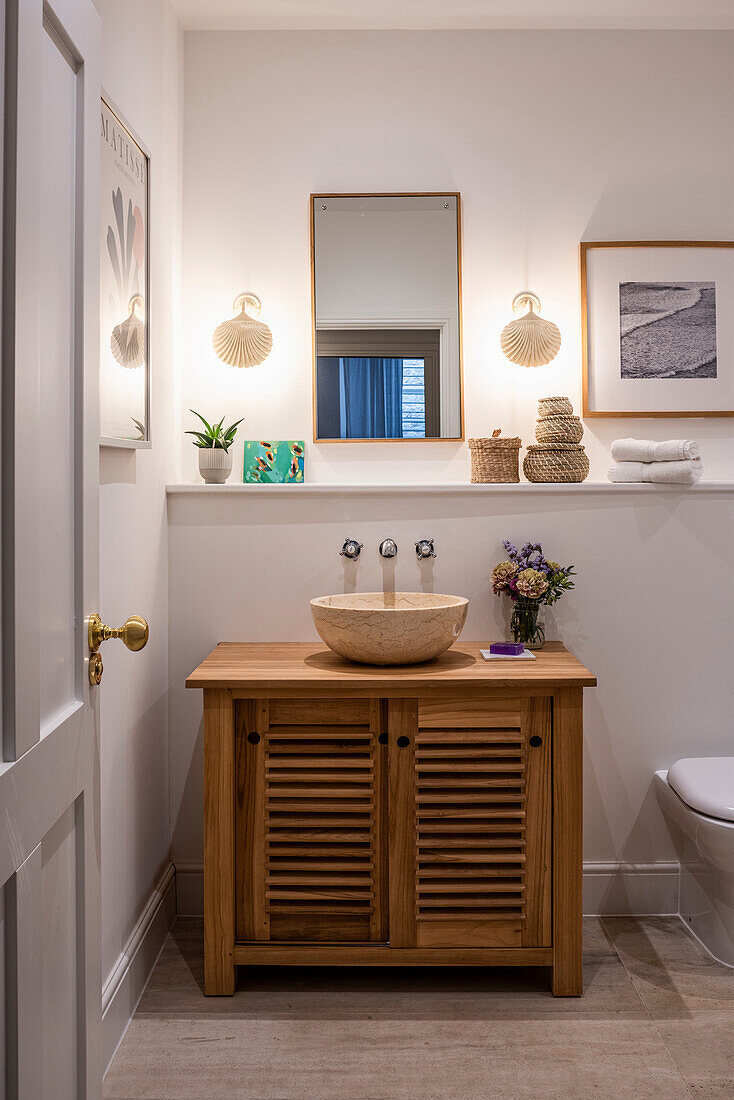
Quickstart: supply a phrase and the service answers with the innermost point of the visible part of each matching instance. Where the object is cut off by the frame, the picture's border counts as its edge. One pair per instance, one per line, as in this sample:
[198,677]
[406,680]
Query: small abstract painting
[667,330]
[273,462]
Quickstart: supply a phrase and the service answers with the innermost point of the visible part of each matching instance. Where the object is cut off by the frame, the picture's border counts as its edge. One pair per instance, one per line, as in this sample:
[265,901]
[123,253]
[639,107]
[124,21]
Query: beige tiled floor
[656,1020]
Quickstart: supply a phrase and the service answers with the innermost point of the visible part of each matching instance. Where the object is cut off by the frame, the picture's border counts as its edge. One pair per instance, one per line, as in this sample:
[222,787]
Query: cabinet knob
[382,738]
[403,742]
[253,738]
[535,741]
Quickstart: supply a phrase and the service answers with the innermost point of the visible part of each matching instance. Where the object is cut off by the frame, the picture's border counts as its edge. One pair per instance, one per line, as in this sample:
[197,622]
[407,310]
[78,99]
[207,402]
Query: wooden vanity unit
[421,815]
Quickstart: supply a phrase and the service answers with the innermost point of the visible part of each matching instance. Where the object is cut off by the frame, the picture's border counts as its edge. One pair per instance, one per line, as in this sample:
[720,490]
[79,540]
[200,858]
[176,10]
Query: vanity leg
[219,794]
[567,841]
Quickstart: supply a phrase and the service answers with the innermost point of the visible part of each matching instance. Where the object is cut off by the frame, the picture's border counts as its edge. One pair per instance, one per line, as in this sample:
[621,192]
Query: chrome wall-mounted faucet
[388,548]
[424,548]
[351,549]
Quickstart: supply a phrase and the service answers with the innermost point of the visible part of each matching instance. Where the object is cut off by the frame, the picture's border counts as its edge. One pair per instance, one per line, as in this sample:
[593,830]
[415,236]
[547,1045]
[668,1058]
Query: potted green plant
[215,461]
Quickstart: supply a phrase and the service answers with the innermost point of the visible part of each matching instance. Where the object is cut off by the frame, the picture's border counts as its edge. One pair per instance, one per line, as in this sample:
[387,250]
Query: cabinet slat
[321,893]
[509,903]
[460,782]
[327,865]
[287,767]
[324,878]
[509,870]
[511,766]
[489,739]
[477,887]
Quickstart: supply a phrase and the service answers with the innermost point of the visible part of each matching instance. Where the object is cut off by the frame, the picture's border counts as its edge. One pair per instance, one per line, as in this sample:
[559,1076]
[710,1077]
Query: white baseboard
[129,976]
[609,888]
[618,889]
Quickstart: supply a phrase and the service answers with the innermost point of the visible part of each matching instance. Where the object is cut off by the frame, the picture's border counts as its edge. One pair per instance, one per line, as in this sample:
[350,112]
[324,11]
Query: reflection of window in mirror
[378,384]
[387,336]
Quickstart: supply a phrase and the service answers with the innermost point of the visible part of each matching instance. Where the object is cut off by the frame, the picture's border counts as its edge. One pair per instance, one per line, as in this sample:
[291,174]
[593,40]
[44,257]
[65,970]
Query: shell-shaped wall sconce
[127,342]
[530,340]
[243,341]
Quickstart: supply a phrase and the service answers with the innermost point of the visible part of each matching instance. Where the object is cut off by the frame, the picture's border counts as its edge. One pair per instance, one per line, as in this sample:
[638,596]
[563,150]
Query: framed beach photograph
[124,383]
[657,328]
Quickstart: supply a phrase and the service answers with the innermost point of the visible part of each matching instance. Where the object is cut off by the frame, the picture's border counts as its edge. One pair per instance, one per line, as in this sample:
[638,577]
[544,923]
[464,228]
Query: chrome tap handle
[388,548]
[424,548]
[351,549]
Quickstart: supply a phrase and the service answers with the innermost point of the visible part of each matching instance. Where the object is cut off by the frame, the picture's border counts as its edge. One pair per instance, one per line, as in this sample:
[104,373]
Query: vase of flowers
[525,623]
[530,580]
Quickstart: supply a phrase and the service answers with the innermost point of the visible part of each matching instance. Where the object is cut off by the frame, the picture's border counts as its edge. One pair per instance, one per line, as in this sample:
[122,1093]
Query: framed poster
[124,385]
[657,328]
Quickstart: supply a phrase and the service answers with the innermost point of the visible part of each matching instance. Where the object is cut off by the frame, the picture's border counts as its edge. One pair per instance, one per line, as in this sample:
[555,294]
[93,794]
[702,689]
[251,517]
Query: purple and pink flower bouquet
[530,579]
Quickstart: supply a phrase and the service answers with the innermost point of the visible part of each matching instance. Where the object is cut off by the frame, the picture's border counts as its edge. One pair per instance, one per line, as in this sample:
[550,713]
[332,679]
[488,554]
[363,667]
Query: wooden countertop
[264,667]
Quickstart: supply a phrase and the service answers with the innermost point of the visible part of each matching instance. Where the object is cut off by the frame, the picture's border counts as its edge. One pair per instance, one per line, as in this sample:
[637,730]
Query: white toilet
[697,798]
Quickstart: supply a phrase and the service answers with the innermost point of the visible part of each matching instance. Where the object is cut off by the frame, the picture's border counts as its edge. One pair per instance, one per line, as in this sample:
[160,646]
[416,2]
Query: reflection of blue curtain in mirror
[373,397]
[360,398]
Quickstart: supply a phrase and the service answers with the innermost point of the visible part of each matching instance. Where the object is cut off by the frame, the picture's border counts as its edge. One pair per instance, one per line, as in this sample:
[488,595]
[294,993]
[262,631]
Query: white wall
[550,137]
[659,641]
[142,53]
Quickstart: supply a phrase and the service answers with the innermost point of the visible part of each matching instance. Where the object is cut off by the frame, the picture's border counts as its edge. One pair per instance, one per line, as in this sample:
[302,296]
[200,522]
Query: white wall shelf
[440,487]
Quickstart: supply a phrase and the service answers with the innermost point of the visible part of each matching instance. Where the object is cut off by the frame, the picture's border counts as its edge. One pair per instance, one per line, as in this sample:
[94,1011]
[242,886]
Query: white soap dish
[526,655]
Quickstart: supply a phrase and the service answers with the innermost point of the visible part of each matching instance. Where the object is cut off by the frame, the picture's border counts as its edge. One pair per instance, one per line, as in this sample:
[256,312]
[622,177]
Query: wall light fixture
[530,340]
[243,341]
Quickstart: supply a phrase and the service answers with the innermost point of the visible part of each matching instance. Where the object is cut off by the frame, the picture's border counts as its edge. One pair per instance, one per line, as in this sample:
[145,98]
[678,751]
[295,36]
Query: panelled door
[50,981]
[470,823]
[310,850]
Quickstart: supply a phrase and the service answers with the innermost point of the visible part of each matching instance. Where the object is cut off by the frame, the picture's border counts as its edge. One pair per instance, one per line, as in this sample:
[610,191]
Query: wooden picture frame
[456,195]
[591,405]
[125,159]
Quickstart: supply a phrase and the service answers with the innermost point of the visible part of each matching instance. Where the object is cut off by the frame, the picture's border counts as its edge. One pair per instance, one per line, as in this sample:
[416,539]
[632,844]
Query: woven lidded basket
[554,406]
[495,459]
[559,429]
[556,462]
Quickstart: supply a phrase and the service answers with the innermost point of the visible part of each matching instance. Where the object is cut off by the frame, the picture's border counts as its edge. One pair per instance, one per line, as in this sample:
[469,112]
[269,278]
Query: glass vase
[524,623]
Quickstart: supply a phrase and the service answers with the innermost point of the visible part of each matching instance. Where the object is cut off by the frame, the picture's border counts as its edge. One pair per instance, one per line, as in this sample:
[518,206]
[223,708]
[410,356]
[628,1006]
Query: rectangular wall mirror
[386,279]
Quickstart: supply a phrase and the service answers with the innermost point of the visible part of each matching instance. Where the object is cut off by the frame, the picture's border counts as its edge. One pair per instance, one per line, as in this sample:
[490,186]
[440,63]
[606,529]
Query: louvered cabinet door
[470,823]
[309,856]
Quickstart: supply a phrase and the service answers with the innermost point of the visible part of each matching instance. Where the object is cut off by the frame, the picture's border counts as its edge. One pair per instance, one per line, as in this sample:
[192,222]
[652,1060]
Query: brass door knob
[133,633]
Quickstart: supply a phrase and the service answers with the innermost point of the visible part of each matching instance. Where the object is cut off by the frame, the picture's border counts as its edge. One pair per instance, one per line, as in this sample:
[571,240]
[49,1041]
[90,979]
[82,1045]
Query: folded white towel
[671,473]
[647,450]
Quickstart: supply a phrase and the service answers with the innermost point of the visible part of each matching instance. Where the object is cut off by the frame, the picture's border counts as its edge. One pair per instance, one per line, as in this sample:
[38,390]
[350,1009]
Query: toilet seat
[706,784]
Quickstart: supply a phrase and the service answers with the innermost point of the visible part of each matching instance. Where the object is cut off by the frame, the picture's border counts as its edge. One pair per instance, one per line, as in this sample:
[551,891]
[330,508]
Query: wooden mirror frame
[380,195]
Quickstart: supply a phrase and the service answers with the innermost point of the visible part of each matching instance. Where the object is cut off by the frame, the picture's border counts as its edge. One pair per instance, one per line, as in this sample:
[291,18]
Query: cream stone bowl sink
[389,628]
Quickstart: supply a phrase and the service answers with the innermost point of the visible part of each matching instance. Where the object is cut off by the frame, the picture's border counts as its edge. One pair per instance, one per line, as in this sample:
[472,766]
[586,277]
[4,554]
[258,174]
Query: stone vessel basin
[389,628]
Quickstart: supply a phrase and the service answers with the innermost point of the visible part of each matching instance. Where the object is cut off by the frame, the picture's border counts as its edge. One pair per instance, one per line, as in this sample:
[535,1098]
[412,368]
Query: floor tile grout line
[652,1019]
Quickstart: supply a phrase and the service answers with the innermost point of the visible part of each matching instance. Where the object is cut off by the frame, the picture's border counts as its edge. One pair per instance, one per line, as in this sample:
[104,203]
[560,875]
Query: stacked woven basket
[557,455]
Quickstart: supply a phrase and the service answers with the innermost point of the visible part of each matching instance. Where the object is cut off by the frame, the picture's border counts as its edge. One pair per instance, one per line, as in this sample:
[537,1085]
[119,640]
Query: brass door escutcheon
[96,668]
[133,633]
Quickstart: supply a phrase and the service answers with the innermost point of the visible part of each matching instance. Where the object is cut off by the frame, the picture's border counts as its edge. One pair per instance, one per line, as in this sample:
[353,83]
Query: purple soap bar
[507,649]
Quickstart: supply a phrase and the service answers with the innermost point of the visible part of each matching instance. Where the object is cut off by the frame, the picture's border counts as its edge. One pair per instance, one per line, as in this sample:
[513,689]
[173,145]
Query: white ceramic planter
[215,465]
